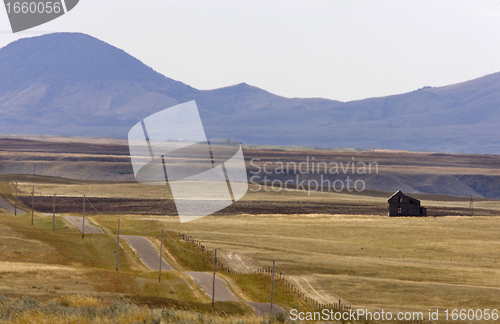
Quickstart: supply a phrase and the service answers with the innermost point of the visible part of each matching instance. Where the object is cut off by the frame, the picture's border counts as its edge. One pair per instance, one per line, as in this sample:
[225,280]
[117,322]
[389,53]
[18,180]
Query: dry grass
[79,309]
[360,258]
[61,262]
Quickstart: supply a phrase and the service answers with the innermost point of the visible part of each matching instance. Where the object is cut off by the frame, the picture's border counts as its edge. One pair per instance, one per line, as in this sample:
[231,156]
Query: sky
[342,50]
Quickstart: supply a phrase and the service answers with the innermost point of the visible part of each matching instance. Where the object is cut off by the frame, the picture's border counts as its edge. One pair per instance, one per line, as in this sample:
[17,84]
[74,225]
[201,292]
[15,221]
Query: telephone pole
[83,223]
[118,244]
[15,202]
[161,249]
[53,213]
[32,203]
[213,284]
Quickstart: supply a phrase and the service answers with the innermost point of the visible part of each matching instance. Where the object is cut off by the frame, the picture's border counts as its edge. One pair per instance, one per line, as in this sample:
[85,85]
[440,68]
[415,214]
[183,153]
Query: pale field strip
[118,190]
[30,267]
[53,159]
[69,139]
[56,157]
[137,190]
[449,170]
[383,169]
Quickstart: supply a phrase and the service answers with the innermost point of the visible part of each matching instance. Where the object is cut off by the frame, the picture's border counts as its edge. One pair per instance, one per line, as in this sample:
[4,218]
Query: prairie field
[370,261]
[328,245]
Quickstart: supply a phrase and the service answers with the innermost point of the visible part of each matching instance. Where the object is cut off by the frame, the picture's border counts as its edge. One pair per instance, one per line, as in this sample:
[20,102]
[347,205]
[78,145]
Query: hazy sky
[343,50]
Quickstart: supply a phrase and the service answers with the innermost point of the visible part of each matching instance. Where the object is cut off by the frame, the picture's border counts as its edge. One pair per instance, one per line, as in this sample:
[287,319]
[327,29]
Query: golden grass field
[360,258]
[370,261]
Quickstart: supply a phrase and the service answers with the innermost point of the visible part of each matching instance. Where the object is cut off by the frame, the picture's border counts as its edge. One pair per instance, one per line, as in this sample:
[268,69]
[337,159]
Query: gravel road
[223,293]
[150,257]
[77,222]
[205,281]
[4,204]
[265,308]
[147,252]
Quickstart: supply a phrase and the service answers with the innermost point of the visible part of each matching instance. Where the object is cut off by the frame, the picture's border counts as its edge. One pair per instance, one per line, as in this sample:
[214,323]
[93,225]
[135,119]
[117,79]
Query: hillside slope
[74,84]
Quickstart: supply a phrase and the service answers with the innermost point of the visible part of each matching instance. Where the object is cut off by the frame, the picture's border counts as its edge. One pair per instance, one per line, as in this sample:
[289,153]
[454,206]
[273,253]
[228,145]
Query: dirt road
[309,286]
[5,205]
[265,308]
[150,257]
[205,281]
[147,252]
[223,293]
[78,222]
[239,261]
[242,261]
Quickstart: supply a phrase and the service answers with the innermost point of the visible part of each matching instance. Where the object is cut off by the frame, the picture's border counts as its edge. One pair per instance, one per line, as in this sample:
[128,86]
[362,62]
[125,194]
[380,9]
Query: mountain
[74,84]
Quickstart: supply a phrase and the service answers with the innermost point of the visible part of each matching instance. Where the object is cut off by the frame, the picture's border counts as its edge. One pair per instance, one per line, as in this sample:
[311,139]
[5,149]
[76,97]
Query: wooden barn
[403,205]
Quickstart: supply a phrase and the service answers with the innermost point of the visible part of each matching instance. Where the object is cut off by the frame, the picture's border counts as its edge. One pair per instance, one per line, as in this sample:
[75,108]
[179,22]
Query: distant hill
[74,84]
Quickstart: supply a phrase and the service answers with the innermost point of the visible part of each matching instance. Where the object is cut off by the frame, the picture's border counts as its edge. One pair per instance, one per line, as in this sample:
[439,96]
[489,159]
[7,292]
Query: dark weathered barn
[403,205]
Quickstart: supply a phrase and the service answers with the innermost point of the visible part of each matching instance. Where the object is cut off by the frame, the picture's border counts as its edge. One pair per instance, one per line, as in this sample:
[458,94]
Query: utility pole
[118,244]
[83,224]
[53,213]
[32,203]
[161,249]
[213,284]
[15,202]
[471,206]
[272,286]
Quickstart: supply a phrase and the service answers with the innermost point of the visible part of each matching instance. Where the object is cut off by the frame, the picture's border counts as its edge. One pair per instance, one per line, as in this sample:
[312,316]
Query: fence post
[32,203]
[161,248]
[272,286]
[15,202]
[83,219]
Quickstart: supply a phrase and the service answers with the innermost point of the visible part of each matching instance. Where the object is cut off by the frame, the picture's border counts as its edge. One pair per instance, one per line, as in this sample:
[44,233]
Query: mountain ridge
[73,84]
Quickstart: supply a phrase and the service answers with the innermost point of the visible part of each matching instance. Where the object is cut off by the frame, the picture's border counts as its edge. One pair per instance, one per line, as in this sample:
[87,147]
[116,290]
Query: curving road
[149,256]
[223,293]
[205,281]
[77,222]
[6,205]
[147,252]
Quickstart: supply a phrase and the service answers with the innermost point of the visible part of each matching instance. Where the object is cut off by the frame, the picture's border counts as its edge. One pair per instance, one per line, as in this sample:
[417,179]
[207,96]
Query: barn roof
[399,191]
[412,200]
